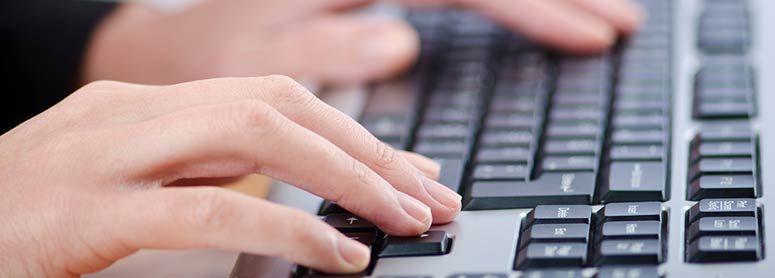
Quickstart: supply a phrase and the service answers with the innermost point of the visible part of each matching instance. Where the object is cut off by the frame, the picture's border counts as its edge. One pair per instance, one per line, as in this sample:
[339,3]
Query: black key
[501,172]
[428,244]
[725,249]
[479,275]
[631,229]
[552,273]
[638,121]
[723,207]
[503,154]
[555,233]
[387,127]
[328,207]
[498,137]
[725,110]
[720,186]
[549,188]
[637,152]
[443,131]
[722,166]
[571,147]
[729,225]
[366,238]
[453,148]
[347,222]
[631,211]
[511,121]
[722,149]
[629,251]
[569,163]
[628,272]
[574,130]
[726,133]
[451,172]
[552,255]
[637,136]
[555,214]
[634,181]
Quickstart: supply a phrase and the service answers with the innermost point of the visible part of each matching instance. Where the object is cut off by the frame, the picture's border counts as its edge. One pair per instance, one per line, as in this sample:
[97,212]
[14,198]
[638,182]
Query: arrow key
[428,244]
[346,222]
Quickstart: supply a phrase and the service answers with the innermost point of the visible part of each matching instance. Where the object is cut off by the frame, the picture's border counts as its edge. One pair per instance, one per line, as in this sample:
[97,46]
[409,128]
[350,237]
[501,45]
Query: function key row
[574,236]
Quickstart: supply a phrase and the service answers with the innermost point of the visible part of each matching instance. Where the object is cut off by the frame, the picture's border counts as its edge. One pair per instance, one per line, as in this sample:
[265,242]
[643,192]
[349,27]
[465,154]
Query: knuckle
[290,92]
[386,156]
[255,115]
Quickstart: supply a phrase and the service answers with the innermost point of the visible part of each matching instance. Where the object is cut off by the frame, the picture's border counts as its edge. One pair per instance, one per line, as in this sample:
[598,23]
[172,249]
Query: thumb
[345,49]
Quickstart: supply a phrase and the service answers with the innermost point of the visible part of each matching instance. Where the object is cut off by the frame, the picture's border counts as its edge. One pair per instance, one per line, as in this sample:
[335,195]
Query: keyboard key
[629,251]
[634,181]
[571,147]
[726,133]
[431,243]
[479,275]
[631,211]
[631,229]
[723,207]
[722,166]
[720,186]
[549,188]
[553,273]
[569,163]
[552,255]
[628,272]
[637,152]
[722,149]
[555,233]
[501,172]
[328,207]
[451,172]
[743,225]
[637,136]
[579,129]
[347,222]
[441,148]
[559,214]
[503,154]
[725,249]
[506,138]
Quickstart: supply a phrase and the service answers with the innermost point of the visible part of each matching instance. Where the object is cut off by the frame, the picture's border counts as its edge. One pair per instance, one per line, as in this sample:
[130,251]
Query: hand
[87,182]
[314,40]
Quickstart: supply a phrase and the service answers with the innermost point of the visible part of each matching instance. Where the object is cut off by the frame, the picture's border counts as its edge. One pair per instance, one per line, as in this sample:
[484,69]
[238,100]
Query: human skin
[318,40]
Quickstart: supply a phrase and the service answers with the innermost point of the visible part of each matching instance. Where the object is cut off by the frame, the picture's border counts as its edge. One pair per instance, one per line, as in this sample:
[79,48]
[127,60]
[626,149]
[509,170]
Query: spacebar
[549,189]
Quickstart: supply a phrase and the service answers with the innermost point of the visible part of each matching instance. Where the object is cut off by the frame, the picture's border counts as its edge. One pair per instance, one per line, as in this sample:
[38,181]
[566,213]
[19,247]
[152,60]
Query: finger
[211,217]
[552,22]
[339,49]
[251,137]
[303,108]
[428,167]
[624,15]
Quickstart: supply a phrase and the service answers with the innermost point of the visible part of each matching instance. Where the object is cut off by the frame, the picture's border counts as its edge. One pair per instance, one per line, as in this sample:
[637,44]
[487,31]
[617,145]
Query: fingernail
[415,209]
[355,253]
[442,194]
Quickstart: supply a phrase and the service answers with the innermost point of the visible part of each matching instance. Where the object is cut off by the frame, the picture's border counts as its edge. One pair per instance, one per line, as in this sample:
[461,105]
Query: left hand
[315,40]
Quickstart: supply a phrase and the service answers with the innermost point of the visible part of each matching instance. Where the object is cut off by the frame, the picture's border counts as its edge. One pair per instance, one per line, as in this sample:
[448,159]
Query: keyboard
[644,161]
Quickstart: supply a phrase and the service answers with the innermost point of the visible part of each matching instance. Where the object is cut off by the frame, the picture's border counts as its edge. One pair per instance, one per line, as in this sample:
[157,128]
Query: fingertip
[355,255]
[632,17]
[388,47]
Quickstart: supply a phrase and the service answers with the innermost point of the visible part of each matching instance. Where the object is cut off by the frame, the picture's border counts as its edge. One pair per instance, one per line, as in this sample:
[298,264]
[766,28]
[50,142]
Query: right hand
[91,177]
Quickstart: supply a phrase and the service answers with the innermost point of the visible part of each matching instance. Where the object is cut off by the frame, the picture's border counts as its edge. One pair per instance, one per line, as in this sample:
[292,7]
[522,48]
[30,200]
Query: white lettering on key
[636,176]
[567,182]
[718,223]
[560,231]
[630,228]
[632,209]
[562,212]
